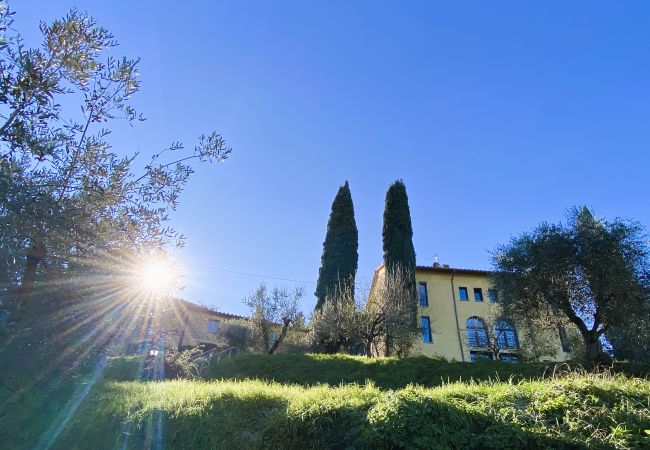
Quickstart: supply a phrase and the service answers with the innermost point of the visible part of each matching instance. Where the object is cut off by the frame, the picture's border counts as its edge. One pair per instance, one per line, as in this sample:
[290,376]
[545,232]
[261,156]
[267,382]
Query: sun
[157,276]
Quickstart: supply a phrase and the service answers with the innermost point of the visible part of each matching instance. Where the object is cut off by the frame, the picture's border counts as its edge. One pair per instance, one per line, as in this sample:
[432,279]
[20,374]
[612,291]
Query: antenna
[436,261]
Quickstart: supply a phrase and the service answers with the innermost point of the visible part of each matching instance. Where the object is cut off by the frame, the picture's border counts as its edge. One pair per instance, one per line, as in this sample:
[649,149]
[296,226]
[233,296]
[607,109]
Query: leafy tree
[67,201]
[588,270]
[333,326]
[395,303]
[340,249]
[630,339]
[356,323]
[270,311]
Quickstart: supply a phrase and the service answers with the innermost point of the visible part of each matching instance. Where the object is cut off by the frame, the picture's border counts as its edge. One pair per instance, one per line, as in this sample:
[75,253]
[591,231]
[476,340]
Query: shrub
[238,333]
[183,364]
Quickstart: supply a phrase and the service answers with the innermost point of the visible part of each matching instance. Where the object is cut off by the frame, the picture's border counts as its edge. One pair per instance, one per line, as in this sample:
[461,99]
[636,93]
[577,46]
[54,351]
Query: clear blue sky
[497,115]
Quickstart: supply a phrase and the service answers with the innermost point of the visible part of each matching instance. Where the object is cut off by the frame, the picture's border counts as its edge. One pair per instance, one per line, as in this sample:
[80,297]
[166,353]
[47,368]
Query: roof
[443,269]
[208,310]
[432,269]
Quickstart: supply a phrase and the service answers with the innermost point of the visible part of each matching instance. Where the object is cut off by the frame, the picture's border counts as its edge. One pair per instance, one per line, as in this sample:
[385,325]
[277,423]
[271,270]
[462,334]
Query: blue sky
[497,116]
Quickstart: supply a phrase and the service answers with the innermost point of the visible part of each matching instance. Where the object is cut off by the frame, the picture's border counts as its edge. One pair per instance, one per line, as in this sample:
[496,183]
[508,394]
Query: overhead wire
[268,277]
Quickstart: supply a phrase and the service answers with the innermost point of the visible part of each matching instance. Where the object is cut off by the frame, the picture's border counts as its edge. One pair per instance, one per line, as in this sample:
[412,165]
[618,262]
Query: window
[506,335]
[509,358]
[422,290]
[476,332]
[492,295]
[478,294]
[479,356]
[426,329]
[462,293]
[564,339]
[213,326]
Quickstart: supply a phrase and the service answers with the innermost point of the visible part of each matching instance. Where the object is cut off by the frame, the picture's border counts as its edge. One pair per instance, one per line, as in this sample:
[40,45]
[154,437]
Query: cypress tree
[397,233]
[399,253]
[340,249]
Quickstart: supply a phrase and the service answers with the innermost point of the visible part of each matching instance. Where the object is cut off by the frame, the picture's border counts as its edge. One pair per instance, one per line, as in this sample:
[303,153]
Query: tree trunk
[283,333]
[387,345]
[594,351]
[368,348]
[35,255]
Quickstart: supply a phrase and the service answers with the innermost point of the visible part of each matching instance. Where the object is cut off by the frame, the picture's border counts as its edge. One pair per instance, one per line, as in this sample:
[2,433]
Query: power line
[249,274]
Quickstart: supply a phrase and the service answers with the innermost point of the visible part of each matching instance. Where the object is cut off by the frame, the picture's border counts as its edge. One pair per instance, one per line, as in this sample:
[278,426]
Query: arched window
[476,332]
[506,334]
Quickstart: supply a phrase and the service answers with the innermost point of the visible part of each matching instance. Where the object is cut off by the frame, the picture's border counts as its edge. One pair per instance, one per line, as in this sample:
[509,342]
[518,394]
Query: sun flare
[156,276]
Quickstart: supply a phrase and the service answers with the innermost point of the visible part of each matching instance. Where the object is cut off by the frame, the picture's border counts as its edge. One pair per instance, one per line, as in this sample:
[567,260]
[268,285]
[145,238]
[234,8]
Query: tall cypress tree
[340,249]
[399,254]
[397,233]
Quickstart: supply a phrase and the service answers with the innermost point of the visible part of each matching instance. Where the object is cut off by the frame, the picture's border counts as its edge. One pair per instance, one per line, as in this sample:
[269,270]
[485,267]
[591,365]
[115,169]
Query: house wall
[196,327]
[449,337]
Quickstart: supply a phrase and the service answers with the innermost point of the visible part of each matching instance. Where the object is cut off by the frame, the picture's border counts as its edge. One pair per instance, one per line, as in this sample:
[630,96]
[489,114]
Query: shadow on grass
[385,373]
[272,416]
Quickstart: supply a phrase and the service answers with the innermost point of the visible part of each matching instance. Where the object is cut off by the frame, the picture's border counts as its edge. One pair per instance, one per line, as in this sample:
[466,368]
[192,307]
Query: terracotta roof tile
[209,310]
[442,269]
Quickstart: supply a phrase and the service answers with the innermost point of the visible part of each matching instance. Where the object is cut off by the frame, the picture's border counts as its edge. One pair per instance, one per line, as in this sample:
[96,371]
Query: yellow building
[460,320]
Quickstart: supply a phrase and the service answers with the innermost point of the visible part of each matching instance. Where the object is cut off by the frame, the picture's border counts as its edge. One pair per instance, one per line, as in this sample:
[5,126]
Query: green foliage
[237,333]
[589,271]
[69,203]
[340,249]
[183,364]
[631,338]
[333,327]
[272,312]
[398,233]
[395,301]
[571,412]
[399,258]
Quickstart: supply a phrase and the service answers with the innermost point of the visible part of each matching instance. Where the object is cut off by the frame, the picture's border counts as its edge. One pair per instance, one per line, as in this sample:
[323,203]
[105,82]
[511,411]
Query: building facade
[196,325]
[460,320]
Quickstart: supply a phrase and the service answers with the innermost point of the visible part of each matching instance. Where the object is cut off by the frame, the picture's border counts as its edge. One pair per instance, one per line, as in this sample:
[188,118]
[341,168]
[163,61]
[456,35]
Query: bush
[183,364]
[237,333]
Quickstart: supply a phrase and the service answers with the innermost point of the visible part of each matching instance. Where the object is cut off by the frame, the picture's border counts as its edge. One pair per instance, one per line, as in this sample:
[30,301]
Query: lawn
[385,373]
[573,411]
[570,411]
[334,401]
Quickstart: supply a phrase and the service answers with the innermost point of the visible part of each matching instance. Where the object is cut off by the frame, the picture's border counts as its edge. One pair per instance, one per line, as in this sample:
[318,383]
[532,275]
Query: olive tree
[273,311]
[589,271]
[67,200]
[387,322]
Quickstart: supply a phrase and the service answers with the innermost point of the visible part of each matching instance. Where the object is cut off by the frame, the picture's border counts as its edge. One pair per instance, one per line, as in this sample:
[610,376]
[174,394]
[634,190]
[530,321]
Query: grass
[574,411]
[334,401]
[385,373]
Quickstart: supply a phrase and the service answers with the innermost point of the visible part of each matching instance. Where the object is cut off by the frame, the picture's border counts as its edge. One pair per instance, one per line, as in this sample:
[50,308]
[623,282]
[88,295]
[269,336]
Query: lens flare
[157,276]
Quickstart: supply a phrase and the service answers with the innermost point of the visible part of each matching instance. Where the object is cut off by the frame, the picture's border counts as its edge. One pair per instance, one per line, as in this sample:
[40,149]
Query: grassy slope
[27,412]
[572,412]
[588,411]
[385,373]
